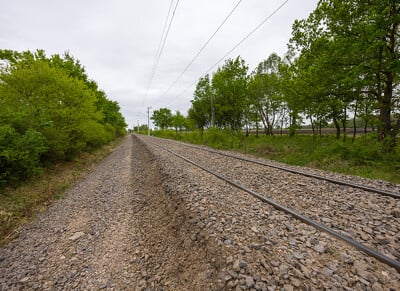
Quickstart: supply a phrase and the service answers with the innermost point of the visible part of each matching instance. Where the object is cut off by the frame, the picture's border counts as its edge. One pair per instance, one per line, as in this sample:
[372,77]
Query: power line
[162,36]
[203,47]
[240,42]
[161,44]
[165,38]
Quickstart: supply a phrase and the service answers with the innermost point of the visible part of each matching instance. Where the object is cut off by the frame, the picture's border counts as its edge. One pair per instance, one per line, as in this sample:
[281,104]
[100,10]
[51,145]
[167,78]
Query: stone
[298,256]
[395,213]
[76,235]
[274,264]
[243,264]
[233,274]
[361,268]
[288,287]
[254,229]
[327,271]
[319,248]
[236,266]
[249,282]
[346,258]
[24,280]
[326,220]
[296,282]
[377,287]
[306,271]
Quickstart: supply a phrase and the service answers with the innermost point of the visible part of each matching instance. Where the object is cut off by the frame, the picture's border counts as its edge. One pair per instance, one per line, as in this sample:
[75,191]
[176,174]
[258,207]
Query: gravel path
[114,230]
[146,220]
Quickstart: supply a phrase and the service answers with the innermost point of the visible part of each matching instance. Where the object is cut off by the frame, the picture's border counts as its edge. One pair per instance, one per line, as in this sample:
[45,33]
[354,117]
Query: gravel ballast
[147,220]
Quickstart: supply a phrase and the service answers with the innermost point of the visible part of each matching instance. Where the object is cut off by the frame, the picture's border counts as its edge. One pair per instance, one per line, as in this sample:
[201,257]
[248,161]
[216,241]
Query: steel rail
[293,171]
[366,249]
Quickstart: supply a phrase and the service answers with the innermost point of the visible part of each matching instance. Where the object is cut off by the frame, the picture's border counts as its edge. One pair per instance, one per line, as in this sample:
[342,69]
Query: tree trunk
[386,108]
[312,126]
[256,129]
[337,126]
[344,120]
[320,127]
[366,118]
[354,122]
[292,126]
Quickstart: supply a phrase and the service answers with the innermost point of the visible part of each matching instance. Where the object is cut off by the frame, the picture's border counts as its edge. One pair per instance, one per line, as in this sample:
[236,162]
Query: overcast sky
[117,41]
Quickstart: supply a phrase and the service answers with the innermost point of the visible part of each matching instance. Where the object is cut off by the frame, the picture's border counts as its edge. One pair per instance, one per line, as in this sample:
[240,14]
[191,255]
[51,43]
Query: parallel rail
[366,249]
[299,172]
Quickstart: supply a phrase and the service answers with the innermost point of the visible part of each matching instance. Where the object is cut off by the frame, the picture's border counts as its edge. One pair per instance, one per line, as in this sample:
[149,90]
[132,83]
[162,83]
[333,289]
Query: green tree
[19,154]
[49,101]
[202,109]
[162,118]
[179,122]
[364,41]
[229,86]
[49,111]
[265,92]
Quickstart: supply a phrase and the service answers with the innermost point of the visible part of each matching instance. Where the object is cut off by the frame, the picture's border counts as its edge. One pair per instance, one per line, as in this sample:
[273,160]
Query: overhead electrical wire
[240,42]
[162,44]
[162,36]
[202,48]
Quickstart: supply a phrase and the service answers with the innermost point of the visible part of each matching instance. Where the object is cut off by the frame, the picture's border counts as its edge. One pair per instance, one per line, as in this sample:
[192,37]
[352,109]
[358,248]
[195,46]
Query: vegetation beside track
[364,157]
[20,205]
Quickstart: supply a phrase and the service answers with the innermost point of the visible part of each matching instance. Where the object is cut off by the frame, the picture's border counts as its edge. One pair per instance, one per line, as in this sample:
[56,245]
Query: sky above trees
[117,41]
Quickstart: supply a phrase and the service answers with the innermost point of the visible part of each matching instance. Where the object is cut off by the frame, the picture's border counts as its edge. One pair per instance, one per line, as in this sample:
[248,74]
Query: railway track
[296,171]
[349,232]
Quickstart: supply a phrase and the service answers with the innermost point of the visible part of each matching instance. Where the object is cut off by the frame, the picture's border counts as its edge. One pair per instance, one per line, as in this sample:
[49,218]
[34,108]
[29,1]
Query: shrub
[19,154]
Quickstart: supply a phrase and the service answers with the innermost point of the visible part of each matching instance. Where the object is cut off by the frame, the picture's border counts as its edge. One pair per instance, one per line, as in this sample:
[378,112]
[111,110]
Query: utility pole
[138,127]
[148,120]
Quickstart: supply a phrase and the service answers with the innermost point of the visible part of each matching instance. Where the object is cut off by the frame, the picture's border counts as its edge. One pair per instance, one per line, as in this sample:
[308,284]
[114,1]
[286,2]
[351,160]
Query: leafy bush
[19,154]
[50,111]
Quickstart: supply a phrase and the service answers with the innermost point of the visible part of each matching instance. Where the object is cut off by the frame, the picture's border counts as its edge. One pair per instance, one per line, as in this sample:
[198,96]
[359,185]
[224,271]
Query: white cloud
[116,41]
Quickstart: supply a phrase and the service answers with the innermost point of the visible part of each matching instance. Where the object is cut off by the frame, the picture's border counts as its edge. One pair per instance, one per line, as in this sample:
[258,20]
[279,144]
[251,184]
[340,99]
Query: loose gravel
[272,249]
[146,220]
[370,218]
[117,230]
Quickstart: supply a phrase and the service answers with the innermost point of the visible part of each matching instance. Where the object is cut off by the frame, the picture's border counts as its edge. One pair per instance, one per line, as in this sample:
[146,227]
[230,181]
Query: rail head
[294,171]
[366,249]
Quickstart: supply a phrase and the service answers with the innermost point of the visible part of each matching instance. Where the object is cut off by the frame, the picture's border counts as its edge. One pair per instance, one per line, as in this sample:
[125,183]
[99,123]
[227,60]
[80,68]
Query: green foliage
[19,154]
[350,58]
[51,102]
[229,86]
[201,112]
[162,118]
[265,93]
[343,64]
[179,122]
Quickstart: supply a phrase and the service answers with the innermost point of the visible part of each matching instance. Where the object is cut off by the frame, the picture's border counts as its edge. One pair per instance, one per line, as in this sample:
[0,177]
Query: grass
[21,205]
[364,157]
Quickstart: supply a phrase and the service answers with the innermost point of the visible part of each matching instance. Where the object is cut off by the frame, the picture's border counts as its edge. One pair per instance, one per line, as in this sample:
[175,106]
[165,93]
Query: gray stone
[249,282]
[319,248]
[328,271]
[76,235]
[298,255]
[236,266]
[274,263]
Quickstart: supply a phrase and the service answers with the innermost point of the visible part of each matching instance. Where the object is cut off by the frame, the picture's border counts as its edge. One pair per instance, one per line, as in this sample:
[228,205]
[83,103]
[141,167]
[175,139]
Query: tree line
[343,64]
[50,111]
